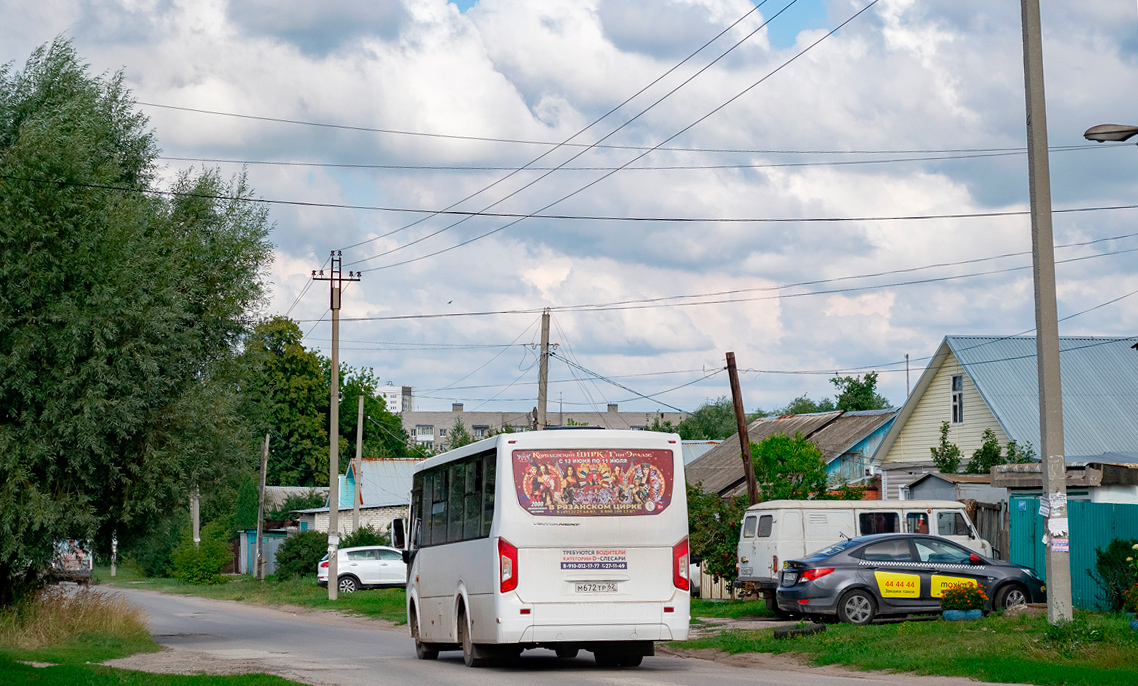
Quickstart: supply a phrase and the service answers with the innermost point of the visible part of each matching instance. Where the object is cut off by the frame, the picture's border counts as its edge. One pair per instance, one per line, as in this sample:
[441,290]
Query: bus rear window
[593,482]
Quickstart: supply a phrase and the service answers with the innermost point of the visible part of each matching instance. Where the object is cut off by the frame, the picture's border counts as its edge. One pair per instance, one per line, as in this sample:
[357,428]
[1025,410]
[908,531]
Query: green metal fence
[1092,526]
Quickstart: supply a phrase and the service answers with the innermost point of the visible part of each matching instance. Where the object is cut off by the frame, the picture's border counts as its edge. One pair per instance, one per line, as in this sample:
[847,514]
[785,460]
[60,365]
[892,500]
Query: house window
[442,433]
[481,431]
[958,399]
[425,432]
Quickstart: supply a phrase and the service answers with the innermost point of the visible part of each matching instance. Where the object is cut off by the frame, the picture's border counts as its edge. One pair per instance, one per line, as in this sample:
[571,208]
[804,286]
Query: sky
[817,203]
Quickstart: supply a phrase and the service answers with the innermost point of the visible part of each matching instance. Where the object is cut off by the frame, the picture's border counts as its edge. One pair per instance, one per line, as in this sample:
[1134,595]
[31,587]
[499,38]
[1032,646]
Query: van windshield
[590,482]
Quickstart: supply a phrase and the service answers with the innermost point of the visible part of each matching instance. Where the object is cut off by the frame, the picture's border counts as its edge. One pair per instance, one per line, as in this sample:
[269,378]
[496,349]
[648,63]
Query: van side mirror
[399,533]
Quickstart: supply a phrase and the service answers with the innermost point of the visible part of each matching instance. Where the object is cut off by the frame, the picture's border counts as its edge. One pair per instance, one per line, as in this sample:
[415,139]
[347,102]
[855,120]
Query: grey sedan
[897,574]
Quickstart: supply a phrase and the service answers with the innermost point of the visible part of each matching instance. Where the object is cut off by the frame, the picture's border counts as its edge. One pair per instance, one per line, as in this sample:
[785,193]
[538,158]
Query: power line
[642,155]
[608,135]
[612,382]
[661,167]
[492,139]
[560,217]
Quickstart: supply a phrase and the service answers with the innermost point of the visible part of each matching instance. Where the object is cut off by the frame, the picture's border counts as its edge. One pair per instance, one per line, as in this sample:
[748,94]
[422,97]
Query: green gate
[1092,526]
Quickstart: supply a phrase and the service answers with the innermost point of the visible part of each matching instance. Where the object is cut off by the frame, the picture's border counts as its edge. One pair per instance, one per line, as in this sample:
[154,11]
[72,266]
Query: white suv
[365,567]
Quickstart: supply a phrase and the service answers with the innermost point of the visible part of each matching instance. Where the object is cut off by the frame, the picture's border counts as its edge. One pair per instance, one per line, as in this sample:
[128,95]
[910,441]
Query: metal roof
[1100,390]
[383,481]
[846,431]
[695,448]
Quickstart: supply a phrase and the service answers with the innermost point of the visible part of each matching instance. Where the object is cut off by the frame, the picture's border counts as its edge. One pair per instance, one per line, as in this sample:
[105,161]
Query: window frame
[957,398]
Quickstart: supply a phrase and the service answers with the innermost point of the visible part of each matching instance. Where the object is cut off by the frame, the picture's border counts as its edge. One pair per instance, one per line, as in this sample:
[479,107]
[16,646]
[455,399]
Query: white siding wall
[922,430]
[379,518]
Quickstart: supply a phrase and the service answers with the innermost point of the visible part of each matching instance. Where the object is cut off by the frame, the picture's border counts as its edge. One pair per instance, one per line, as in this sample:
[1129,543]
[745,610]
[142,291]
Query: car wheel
[1010,596]
[348,584]
[423,651]
[472,655]
[857,607]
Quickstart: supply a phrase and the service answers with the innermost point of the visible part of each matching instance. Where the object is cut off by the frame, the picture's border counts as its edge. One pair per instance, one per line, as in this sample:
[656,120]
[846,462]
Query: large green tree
[383,431]
[120,310]
[286,395]
[858,393]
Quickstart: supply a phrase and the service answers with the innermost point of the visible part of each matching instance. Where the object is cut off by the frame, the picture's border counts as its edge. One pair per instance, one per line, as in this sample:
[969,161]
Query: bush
[1130,600]
[300,553]
[152,552]
[365,535]
[202,564]
[963,597]
[1114,572]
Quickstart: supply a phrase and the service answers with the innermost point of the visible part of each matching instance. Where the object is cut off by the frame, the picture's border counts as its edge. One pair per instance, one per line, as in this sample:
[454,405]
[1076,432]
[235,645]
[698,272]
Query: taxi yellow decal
[942,582]
[893,585]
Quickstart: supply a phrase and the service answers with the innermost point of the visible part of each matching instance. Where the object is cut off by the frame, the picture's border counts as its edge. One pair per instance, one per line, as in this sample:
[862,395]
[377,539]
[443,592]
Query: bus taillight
[508,561]
[680,565]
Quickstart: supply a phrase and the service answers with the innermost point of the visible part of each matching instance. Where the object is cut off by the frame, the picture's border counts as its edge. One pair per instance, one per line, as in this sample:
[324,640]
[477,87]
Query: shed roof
[1100,390]
[955,478]
[842,434]
[721,468]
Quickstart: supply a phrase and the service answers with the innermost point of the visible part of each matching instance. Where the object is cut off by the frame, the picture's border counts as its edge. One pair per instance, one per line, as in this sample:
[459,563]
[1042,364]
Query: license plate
[789,578]
[598,587]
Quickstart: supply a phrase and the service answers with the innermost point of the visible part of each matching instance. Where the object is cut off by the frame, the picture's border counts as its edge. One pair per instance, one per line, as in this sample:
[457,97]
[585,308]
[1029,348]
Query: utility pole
[195,518]
[356,469]
[744,438]
[335,281]
[543,371]
[907,391]
[1054,501]
[259,569]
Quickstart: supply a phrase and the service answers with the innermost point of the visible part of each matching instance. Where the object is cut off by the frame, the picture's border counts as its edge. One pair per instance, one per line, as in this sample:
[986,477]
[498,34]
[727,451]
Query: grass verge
[382,603]
[71,632]
[1092,650]
[729,609]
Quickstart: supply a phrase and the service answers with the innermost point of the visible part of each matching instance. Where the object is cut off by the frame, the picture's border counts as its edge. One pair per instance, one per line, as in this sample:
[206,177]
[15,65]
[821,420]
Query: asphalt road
[323,648]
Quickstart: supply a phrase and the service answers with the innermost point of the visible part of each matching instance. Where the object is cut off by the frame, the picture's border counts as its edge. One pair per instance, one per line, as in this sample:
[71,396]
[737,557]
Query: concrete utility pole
[195,518]
[543,371]
[744,438]
[358,467]
[335,281]
[259,570]
[1054,502]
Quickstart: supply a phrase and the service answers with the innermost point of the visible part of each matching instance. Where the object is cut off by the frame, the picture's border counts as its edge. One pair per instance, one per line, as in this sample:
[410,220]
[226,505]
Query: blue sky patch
[805,14]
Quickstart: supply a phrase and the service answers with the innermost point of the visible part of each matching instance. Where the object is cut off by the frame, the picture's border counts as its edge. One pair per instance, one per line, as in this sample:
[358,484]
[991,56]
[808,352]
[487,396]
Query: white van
[780,530]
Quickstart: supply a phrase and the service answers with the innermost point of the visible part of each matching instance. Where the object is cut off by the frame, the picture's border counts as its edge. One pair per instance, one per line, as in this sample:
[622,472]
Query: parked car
[369,566]
[787,529]
[897,574]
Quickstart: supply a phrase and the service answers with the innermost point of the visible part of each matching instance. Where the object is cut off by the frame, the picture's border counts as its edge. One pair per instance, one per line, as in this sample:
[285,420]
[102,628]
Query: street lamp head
[1110,132]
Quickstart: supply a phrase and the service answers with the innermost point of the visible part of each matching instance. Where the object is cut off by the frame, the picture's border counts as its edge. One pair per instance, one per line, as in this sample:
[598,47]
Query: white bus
[562,539]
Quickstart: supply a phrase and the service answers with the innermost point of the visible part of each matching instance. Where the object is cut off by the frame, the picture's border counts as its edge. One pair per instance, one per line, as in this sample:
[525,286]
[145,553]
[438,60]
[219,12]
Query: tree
[946,456]
[712,421]
[286,395]
[804,405]
[855,394]
[713,530]
[459,436]
[788,468]
[1014,454]
[986,456]
[383,431]
[120,311]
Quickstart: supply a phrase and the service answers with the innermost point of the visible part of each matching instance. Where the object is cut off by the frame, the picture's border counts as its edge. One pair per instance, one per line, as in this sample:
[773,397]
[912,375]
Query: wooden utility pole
[335,281]
[543,371]
[259,564]
[358,466]
[1057,539]
[744,438]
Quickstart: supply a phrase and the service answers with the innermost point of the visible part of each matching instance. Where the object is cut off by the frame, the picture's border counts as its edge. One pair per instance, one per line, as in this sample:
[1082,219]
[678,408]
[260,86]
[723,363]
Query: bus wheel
[472,654]
[606,657]
[423,651]
[567,653]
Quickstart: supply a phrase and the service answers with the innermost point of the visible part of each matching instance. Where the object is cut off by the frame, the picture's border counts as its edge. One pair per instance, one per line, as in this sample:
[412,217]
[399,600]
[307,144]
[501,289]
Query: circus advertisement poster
[591,482]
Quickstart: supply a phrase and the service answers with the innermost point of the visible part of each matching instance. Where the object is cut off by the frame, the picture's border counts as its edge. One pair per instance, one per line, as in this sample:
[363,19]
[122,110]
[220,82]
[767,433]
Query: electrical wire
[613,382]
[642,155]
[665,167]
[608,135]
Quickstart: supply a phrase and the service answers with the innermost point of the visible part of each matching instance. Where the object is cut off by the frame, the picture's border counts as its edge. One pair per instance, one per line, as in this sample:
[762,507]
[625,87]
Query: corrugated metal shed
[721,469]
[1100,390]
[694,449]
[839,436]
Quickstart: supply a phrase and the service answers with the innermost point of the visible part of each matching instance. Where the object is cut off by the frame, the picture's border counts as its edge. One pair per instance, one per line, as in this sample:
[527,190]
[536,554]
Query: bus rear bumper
[599,632]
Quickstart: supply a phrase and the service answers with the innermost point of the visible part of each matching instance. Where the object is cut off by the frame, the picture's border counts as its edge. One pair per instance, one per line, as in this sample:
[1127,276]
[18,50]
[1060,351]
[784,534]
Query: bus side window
[472,508]
[488,492]
[749,526]
[766,523]
[457,478]
[439,508]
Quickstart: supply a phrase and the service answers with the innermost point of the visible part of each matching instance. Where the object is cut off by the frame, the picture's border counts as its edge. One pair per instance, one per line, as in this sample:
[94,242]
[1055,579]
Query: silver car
[369,566]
